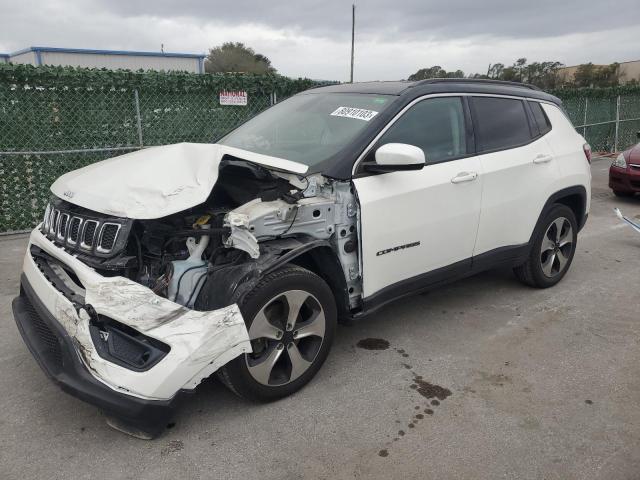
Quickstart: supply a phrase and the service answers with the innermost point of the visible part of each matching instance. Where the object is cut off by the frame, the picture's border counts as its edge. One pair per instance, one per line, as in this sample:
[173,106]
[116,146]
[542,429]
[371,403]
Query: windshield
[308,128]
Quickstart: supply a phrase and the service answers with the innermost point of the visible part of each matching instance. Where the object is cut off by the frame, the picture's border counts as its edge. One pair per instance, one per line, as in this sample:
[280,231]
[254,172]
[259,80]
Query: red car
[624,174]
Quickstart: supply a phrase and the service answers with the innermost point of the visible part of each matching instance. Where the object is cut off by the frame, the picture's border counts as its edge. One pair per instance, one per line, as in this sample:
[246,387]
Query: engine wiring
[295,215]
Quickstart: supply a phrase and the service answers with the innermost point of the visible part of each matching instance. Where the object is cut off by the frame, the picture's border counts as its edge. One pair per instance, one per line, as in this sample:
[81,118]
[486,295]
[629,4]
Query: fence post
[584,128]
[138,117]
[615,141]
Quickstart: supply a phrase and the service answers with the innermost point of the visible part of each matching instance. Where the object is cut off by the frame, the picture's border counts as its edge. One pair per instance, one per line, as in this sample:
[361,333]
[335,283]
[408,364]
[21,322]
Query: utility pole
[353,36]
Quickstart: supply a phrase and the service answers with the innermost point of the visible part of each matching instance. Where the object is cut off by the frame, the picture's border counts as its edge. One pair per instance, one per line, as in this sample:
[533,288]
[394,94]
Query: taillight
[587,151]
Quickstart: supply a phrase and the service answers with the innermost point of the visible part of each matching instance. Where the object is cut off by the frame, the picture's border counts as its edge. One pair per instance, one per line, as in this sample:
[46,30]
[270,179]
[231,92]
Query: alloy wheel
[286,336]
[557,246]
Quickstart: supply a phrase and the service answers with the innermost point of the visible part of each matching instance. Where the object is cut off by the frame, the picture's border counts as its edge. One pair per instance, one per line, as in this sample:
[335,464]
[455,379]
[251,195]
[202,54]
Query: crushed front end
[127,313]
[103,335]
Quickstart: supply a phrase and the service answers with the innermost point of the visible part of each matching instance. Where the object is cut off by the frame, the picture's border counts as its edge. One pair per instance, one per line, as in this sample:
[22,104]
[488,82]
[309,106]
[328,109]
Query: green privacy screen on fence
[608,118]
[57,119]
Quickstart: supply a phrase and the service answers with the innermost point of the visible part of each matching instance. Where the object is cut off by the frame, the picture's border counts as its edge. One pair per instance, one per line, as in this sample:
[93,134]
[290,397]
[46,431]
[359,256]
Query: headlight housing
[620,162]
[47,215]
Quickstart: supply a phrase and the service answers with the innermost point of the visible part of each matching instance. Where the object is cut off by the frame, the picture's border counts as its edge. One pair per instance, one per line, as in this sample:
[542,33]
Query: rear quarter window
[541,119]
[500,123]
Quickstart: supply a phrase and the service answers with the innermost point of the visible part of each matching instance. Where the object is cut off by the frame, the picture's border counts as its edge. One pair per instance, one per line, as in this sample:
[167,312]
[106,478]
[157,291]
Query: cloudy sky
[312,38]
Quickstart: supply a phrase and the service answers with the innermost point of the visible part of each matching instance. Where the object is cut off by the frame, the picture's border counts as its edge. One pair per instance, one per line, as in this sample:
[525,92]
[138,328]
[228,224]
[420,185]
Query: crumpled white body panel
[157,181]
[201,342]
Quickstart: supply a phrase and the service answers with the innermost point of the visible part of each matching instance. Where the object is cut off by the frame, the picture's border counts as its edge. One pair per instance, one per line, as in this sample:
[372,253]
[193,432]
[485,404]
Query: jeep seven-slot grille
[108,236]
[67,228]
[89,233]
[74,230]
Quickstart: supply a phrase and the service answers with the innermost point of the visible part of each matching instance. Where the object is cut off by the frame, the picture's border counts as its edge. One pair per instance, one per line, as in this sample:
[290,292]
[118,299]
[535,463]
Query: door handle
[464,177]
[542,158]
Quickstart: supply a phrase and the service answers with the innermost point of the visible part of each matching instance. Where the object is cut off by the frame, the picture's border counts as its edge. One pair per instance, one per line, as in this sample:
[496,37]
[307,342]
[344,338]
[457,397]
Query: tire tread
[224,375]
[526,272]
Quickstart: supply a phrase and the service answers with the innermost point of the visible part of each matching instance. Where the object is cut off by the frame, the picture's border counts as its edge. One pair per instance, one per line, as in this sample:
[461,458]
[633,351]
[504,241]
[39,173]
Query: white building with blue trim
[110,59]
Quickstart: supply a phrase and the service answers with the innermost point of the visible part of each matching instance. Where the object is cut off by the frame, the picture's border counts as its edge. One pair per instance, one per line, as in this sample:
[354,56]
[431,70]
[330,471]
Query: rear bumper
[54,350]
[624,180]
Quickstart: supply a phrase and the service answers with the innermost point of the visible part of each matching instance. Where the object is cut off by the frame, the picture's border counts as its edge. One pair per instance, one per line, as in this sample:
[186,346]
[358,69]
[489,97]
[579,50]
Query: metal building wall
[24,57]
[629,71]
[129,62]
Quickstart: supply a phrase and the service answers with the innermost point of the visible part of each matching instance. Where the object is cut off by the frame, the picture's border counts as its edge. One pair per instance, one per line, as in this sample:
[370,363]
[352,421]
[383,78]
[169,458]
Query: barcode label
[359,113]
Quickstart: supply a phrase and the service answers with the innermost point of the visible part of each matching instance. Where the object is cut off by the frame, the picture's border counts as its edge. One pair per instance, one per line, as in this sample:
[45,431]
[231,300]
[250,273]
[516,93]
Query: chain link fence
[609,124]
[46,131]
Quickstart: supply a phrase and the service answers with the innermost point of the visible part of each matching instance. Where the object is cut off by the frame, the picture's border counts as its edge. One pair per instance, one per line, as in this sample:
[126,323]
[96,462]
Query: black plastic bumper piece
[55,352]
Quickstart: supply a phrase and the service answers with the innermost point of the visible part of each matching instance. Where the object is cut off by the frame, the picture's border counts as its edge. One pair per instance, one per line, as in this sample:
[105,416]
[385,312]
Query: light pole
[353,36]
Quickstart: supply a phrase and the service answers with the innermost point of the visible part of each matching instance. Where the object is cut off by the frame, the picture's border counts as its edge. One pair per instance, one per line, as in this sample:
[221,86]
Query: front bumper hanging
[58,325]
[55,352]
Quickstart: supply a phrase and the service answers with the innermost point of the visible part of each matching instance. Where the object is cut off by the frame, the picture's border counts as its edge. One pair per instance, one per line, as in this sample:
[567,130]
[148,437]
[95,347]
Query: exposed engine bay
[254,220]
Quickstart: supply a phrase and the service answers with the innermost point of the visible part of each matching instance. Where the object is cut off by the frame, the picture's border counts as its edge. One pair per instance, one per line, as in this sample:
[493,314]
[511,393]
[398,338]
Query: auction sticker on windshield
[359,113]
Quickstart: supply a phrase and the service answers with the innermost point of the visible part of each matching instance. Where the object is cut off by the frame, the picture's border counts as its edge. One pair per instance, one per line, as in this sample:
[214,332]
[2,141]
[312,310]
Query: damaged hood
[157,181]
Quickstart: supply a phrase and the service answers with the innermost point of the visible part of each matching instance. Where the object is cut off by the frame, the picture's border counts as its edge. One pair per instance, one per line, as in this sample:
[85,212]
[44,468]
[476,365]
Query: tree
[509,74]
[495,70]
[519,67]
[584,75]
[236,57]
[435,72]
[542,74]
[590,75]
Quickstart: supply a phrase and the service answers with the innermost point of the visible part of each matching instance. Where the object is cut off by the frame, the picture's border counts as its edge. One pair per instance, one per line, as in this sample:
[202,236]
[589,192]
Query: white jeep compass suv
[155,269]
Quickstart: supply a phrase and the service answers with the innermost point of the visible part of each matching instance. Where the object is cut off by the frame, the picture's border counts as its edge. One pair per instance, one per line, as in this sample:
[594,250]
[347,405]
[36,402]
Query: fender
[319,257]
[275,261]
[226,284]
[578,208]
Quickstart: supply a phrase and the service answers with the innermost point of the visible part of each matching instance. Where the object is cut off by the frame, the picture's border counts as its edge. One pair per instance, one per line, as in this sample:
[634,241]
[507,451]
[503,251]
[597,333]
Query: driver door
[419,227]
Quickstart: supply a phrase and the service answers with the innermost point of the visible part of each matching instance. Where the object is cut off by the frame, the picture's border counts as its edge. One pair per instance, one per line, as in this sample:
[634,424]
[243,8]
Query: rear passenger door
[519,170]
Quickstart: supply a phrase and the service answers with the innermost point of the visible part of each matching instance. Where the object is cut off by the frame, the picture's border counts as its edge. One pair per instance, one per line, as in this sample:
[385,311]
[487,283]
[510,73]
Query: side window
[500,123]
[544,126]
[436,125]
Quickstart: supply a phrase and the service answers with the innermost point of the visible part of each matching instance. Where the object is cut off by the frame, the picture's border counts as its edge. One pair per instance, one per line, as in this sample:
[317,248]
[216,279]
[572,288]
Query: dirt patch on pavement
[373,344]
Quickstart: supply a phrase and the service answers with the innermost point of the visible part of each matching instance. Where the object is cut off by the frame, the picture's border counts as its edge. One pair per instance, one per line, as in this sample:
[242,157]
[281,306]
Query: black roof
[440,85]
[381,88]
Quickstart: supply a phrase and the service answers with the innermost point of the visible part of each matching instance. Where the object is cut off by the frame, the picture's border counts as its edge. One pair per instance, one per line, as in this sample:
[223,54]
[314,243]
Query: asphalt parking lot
[482,379]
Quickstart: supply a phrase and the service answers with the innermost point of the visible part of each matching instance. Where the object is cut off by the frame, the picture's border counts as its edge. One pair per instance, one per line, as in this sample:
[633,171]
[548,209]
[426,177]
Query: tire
[618,193]
[299,347]
[552,249]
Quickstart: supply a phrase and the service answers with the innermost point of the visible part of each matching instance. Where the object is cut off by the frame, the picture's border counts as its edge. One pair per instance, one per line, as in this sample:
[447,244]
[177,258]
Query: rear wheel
[291,319]
[554,245]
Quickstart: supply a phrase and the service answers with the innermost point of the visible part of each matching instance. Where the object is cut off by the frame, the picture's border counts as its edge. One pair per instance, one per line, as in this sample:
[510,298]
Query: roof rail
[479,80]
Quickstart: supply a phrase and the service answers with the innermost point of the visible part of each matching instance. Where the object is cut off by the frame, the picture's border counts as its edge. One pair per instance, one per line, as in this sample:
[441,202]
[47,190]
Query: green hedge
[90,78]
[64,108]
[607,92]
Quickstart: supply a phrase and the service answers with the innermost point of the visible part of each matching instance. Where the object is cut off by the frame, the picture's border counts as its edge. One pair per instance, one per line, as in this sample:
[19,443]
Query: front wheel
[554,245]
[291,318]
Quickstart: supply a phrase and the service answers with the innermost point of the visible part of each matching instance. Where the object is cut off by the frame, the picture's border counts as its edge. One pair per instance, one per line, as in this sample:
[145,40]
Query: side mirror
[638,134]
[397,156]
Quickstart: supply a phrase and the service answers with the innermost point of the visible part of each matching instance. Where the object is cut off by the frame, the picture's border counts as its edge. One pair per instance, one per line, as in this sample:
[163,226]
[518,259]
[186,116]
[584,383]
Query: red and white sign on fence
[233,97]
